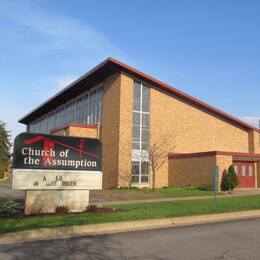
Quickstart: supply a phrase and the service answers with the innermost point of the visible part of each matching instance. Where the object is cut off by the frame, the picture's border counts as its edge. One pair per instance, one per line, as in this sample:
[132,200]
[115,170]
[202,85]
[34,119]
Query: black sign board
[43,151]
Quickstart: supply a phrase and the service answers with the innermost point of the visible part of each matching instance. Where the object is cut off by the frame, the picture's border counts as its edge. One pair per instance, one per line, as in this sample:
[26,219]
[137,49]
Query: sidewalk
[106,228]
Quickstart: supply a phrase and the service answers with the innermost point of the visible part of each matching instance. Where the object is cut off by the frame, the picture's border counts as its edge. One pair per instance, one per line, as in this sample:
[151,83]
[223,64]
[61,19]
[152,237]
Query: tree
[156,155]
[5,145]
[232,178]
[229,179]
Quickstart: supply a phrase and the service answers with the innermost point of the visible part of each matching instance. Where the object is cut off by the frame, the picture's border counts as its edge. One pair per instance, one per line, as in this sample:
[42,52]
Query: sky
[209,49]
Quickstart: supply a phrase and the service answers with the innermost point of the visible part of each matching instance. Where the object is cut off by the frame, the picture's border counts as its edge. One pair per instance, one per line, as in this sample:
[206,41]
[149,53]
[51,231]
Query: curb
[115,227]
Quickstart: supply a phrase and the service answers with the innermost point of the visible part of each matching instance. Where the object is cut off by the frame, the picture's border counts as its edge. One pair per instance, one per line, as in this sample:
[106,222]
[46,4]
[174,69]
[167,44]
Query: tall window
[140,133]
[84,109]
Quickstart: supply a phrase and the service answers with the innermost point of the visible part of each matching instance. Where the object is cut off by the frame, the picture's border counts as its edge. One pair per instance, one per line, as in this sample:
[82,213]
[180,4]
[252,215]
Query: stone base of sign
[47,201]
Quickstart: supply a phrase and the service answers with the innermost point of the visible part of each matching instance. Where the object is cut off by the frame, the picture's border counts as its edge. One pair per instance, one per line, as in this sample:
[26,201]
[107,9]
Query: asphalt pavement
[234,240]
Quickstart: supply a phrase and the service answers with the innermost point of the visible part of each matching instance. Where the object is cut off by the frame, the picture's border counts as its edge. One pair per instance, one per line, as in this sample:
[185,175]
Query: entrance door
[246,174]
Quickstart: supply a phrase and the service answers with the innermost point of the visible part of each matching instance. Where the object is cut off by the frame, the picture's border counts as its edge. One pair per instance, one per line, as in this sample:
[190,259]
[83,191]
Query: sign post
[215,173]
[56,171]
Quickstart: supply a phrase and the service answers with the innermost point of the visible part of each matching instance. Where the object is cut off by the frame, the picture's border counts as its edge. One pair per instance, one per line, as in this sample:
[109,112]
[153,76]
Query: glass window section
[243,171]
[236,169]
[136,133]
[144,168]
[144,179]
[137,90]
[136,145]
[136,118]
[135,179]
[85,109]
[250,168]
[51,121]
[140,133]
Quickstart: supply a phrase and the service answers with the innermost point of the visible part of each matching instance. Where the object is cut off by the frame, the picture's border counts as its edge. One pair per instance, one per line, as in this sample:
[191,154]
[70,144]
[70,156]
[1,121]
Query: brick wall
[196,171]
[110,130]
[191,129]
[125,131]
[84,131]
[191,171]
[254,142]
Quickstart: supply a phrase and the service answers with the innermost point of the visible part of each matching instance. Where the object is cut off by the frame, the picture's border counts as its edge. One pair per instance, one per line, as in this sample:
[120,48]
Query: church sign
[44,161]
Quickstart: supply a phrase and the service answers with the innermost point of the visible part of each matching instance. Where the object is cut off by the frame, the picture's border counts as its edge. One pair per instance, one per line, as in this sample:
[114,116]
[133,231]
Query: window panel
[136,118]
[145,106]
[236,169]
[145,146]
[135,168]
[243,170]
[145,93]
[100,104]
[136,145]
[86,109]
[137,91]
[135,179]
[144,179]
[144,168]
[145,120]
[145,135]
[51,121]
[250,168]
[137,105]
[97,105]
[136,133]
[91,112]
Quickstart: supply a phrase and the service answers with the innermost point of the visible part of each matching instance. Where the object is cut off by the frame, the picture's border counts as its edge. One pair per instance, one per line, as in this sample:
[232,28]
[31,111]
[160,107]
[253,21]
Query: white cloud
[253,120]
[30,30]
[41,30]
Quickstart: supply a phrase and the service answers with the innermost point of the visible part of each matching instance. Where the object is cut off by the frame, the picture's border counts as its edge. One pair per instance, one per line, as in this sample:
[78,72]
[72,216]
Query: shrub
[10,207]
[206,187]
[224,181]
[62,209]
[229,179]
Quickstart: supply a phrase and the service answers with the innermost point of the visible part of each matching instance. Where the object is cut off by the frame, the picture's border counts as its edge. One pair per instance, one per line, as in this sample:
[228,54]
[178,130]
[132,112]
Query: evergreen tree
[5,145]
[232,178]
[229,179]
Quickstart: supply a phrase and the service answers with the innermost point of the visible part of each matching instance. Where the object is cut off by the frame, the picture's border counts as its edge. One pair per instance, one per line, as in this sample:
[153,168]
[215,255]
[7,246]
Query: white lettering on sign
[74,163]
[30,151]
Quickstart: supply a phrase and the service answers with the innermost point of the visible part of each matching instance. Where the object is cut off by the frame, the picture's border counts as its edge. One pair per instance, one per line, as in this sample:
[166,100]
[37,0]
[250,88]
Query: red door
[246,174]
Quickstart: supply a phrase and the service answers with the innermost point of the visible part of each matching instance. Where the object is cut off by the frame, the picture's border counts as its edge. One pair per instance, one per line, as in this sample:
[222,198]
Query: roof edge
[156,82]
[67,87]
[172,155]
[186,96]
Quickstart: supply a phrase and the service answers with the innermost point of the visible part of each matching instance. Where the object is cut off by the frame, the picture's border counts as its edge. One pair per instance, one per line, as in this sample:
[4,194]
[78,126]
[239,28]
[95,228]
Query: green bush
[206,187]
[62,209]
[9,207]
[229,179]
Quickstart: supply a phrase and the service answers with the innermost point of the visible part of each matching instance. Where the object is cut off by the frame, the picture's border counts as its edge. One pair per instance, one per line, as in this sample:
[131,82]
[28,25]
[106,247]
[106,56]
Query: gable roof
[109,67]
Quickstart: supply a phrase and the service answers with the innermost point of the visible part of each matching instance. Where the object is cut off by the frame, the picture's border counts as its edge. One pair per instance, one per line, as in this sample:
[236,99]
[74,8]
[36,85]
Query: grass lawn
[138,211]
